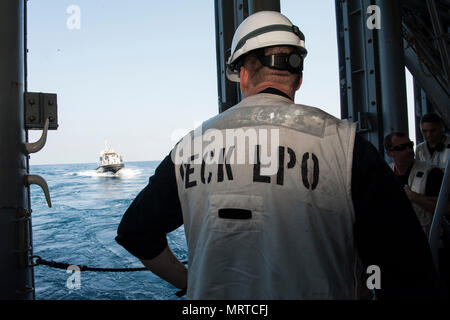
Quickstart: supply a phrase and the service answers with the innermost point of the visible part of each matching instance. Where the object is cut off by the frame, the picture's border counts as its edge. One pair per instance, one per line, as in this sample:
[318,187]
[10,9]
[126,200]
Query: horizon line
[52,164]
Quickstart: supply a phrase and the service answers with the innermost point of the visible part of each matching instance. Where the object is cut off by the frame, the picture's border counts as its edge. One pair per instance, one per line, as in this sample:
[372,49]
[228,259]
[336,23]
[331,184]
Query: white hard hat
[260,30]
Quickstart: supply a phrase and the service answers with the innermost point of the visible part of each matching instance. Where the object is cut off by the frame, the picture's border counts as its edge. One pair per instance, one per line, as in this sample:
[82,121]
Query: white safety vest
[276,234]
[439,159]
[417,182]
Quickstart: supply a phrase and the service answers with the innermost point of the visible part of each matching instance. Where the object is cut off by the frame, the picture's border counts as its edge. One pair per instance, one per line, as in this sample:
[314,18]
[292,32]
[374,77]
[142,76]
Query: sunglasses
[403,146]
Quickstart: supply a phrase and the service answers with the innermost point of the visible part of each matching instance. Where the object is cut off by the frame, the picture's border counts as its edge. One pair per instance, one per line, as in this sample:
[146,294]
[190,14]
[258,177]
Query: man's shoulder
[423,165]
[421,145]
[447,141]
[262,110]
[317,111]
[264,99]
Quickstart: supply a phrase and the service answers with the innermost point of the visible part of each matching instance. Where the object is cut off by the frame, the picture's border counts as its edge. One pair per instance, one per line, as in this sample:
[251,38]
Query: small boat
[110,161]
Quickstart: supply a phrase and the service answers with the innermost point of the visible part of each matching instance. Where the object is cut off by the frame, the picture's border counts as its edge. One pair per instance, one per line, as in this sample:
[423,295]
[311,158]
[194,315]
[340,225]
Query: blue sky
[137,72]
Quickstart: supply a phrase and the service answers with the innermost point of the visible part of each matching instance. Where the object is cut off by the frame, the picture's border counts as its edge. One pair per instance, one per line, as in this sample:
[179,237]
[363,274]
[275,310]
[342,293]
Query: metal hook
[38,145]
[38,180]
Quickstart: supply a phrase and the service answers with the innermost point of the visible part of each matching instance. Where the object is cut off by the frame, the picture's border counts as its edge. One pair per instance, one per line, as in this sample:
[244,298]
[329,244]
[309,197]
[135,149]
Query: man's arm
[168,267]
[155,212]
[426,202]
[429,200]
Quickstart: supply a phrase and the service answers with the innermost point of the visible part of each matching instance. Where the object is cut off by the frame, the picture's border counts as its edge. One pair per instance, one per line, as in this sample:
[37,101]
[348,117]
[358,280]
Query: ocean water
[80,228]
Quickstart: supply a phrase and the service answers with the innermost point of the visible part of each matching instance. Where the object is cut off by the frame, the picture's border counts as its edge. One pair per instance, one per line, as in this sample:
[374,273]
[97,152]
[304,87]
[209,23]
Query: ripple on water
[80,229]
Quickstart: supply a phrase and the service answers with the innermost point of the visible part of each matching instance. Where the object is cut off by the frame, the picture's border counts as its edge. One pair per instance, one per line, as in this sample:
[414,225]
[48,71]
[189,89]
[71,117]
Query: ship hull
[110,167]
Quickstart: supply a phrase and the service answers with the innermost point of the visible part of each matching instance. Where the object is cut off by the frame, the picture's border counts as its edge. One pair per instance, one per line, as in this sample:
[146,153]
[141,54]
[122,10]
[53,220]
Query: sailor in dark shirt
[421,181]
[387,232]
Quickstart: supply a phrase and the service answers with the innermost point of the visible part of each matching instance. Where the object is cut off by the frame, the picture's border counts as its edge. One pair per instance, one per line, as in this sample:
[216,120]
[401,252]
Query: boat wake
[122,173]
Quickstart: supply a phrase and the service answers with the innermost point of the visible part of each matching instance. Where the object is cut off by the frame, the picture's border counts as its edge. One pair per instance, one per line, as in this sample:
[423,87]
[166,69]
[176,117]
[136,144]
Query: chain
[62,265]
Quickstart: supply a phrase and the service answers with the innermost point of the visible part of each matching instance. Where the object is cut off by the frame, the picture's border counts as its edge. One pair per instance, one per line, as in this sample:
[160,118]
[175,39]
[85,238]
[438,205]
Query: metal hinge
[364,122]
[39,107]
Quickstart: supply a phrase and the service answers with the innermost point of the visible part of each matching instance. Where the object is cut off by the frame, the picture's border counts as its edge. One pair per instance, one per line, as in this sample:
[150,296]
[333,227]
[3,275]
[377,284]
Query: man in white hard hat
[436,148]
[302,223]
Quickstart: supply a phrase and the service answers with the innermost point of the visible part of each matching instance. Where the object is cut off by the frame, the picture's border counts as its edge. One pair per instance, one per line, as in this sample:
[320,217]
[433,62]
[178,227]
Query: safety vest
[260,229]
[439,158]
[417,181]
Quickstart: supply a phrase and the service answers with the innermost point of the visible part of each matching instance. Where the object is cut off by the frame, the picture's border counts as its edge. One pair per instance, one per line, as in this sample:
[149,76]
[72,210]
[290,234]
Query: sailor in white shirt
[436,148]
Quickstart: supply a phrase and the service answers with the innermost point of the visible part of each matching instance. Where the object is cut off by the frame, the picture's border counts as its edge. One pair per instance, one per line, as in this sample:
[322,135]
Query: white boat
[110,161]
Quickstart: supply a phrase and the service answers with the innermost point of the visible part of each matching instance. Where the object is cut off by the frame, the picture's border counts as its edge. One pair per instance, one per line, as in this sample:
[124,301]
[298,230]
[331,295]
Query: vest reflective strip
[297,117]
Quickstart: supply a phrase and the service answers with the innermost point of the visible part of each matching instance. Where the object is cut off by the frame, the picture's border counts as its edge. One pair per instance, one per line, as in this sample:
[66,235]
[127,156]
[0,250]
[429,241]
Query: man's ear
[243,79]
